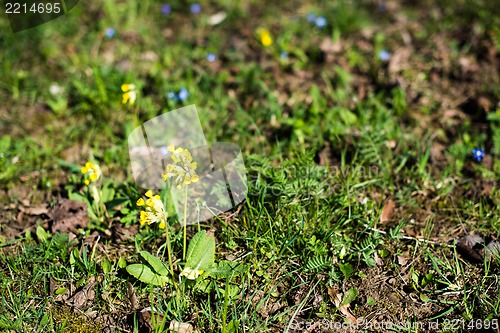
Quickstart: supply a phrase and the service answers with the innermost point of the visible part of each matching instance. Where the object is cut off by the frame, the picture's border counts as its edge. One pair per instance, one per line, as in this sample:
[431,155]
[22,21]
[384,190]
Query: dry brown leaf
[179,327]
[337,299]
[377,259]
[87,293]
[328,46]
[36,210]
[387,211]
[402,260]
[68,215]
[132,296]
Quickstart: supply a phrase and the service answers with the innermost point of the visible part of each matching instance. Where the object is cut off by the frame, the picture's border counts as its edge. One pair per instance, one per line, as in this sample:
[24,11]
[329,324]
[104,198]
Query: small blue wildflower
[310,17]
[284,55]
[166,9]
[195,8]
[384,55]
[382,7]
[183,94]
[109,32]
[172,95]
[478,154]
[164,151]
[211,57]
[320,22]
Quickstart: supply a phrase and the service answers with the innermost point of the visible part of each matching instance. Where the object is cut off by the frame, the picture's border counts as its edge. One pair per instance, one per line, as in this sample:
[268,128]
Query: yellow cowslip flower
[154,211]
[91,172]
[264,37]
[183,168]
[129,93]
[190,273]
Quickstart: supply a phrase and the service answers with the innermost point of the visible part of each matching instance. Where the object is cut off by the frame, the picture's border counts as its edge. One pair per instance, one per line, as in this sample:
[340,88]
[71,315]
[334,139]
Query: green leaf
[41,234]
[349,296]
[106,266]
[232,327]
[225,269]
[144,274]
[61,291]
[122,263]
[155,263]
[200,255]
[346,269]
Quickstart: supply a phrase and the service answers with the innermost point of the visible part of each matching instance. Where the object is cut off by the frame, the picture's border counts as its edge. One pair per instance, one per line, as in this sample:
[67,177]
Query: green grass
[329,136]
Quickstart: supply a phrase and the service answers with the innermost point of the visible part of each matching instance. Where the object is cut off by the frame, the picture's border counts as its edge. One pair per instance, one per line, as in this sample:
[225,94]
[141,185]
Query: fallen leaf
[132,296]
[179,327]
[387,211]
[328,46]
[402,260]
[217,18]
[87,293]
[337,299]
[36,210]
[493,250]
[68,215]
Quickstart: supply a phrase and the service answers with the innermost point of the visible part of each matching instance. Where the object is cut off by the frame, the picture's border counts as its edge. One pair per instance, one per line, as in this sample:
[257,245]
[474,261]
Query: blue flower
[478,154]
[284,55]
[164,151]
[211,57]
[195,8]
[172,95]
[166,9]
[384,55]
[320,22]
[109,32]
[183,94]
[310,17]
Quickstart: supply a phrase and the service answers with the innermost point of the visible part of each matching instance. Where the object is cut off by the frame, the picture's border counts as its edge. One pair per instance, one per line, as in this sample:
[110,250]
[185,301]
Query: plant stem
[167,240]
[185,221]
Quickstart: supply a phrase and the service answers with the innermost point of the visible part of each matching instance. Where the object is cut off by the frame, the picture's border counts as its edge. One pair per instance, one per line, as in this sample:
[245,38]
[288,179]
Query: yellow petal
[140,202]
[84,169]
[157,197]
[195,178]
[171,148]
[194,165]
[149,194]
[126,87]
[89,165]
[93,177]
[162,225]
[165,176]
[86,181]
[125,98]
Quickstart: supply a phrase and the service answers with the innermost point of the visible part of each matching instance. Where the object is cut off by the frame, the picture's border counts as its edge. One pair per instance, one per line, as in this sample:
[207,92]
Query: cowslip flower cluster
[264,37]
[154,211]
[129,93]
[91,172]
[183,169]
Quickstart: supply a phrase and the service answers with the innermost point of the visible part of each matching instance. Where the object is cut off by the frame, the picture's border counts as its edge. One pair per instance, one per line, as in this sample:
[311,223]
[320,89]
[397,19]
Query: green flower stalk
[154,212]
[182,171]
